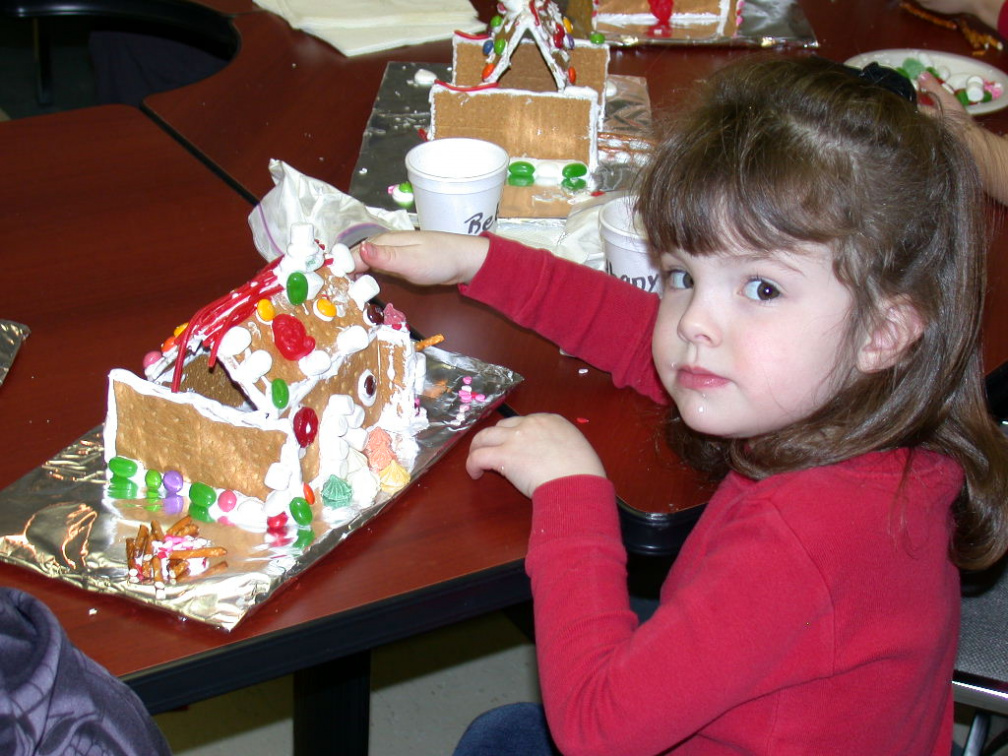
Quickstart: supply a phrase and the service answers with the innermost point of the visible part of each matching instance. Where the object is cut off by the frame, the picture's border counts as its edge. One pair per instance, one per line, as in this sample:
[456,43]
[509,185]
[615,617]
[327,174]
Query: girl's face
[747,344]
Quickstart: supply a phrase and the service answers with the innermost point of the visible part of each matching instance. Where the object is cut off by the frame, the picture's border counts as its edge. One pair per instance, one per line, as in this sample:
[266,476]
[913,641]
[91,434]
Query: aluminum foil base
[60,521]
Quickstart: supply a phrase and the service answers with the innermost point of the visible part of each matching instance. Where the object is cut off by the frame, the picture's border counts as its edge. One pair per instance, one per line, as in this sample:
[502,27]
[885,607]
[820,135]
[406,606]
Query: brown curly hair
[783,152]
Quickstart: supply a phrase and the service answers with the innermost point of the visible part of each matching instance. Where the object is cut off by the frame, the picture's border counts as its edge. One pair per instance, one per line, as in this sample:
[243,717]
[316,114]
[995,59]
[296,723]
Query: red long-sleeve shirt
[813,612]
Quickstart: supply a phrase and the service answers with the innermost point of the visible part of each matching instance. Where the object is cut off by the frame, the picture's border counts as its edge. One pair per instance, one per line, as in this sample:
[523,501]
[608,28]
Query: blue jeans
[514,730]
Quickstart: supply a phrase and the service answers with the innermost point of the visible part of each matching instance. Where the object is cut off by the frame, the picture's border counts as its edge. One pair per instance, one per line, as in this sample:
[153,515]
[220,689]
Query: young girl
[823,257]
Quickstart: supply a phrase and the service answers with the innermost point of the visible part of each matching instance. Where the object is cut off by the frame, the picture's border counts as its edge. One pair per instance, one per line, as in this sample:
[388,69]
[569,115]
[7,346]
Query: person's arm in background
[989,150]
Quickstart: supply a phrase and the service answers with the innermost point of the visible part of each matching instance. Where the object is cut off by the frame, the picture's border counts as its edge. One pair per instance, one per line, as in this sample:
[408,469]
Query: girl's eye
[761,290]
[680,279]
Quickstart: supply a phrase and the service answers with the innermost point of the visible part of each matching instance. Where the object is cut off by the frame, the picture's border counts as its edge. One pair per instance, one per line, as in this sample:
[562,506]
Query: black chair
[981,674]
[198,24]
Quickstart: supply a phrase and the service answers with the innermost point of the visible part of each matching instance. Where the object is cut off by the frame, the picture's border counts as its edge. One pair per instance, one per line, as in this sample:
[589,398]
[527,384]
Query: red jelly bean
[276,522]
[305,426]
[291,338]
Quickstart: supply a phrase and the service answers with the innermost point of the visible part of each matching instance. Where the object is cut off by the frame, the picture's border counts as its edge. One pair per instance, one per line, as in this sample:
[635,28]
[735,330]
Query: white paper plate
[956,64]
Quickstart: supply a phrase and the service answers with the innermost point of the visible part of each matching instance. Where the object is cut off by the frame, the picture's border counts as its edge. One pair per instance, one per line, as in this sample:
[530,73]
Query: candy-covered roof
[538,20]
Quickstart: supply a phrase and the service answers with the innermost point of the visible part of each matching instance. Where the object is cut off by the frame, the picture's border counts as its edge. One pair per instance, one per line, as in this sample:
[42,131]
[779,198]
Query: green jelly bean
[297,287]
[123,467]
[913,67]
[496,21]
[962,96]
[499,44]
[152,479]
[574,184]
[301,511]
[520,181]
[280,393]
[122,488]
[199,513]
[596,38]
[574,170]
[202,495]
[521,168]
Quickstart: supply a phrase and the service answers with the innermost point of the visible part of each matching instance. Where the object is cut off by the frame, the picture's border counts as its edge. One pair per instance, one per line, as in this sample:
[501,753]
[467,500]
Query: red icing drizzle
[218,317]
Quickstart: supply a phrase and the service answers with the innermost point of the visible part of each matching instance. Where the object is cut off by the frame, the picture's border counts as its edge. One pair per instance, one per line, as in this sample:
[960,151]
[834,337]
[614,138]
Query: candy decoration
[173,481]
[202,495]
[374,313]
[151,358]
[568,25]
[304,538]
[291,338]
[309,494]
[265,310]
[336,492]
[572,75]
[514,180]
[574,170]
[227,501]
[152,479]
[499,45]
[276,522]
[122,467]
[173,504]
[662,10]
[596,38]
[488,47]
[168,344]
[297,288]
[325,309]
[521,168]
[496,21]
[305,426]
[279,393]
[301,511]
[487,71]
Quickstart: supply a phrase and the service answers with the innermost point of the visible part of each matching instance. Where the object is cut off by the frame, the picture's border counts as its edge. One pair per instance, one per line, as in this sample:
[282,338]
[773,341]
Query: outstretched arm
[989,150]
[986,10]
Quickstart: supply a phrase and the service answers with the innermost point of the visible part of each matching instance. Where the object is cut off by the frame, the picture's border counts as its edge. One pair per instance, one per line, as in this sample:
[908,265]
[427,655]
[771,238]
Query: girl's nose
[697,324]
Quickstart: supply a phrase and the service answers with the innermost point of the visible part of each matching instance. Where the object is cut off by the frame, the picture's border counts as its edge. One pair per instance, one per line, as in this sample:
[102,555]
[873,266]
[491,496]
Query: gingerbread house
[292,386]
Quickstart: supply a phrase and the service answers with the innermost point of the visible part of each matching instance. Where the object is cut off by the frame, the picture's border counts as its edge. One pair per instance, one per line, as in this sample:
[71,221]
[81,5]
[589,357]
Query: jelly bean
[276,522]
[572,75]
[499,45]
[173,481]
[568,26]
[913,67]
[168,344]
[520,181]
[521,168]
[559,39]
[487,71]
[151,358]
[488,47]
[574,170]
[297,288]
[279,392]
[596,38]
[152,479]
[199,513]
[265,310]
[496,21]
[122,467]
[325,307]
[304,538]
[179,329]
[201,494]
[227,501]
[291,338]
[122,488]
[173,504]
[305,426]
[574,184]
[301,511]
[309,494]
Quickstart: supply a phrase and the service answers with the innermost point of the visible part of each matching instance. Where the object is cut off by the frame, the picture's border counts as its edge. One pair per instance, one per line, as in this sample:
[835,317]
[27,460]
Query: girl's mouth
[698,379]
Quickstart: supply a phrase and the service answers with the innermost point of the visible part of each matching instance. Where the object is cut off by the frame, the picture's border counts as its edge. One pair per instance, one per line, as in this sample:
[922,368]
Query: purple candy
[172,481]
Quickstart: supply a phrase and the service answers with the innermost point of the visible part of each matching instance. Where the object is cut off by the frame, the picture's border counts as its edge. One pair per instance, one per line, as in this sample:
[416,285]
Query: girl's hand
[532,450]
[423,257]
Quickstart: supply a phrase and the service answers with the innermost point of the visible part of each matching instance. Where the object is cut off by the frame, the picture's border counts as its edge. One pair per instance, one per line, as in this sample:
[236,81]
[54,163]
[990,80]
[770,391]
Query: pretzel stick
[206,552]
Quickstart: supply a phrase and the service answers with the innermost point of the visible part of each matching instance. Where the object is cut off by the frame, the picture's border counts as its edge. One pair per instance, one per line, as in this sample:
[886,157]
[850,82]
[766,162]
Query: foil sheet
[60,521]
[401,112]
[765,23]
[11,336]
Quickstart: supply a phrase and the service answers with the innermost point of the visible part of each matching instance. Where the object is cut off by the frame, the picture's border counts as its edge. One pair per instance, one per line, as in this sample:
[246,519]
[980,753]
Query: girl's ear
[899,329]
